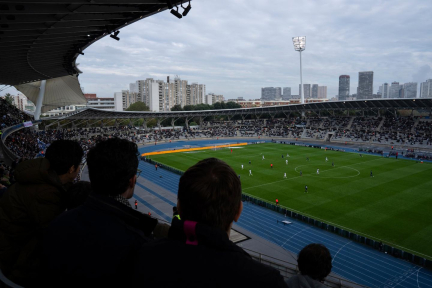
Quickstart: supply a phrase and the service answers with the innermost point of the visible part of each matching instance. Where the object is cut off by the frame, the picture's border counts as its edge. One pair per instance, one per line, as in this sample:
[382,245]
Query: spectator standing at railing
[37,197]
[95,244]
[209,201]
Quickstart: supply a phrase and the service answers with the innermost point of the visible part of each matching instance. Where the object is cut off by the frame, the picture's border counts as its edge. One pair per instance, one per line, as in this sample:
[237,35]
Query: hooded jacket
[26,208]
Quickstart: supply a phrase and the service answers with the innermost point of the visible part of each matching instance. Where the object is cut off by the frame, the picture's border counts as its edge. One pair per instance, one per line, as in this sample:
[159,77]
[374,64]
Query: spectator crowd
[57,233]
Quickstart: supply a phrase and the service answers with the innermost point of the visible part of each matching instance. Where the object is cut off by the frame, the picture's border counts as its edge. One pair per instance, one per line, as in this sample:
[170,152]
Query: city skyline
[225,46]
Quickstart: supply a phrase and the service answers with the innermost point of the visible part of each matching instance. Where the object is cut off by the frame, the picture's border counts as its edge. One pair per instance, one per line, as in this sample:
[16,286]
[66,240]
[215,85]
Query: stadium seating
[408,131]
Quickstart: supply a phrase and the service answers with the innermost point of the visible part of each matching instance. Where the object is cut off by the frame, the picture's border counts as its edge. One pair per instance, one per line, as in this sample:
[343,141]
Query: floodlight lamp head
[176,13]
[299,43]
[187,9]
[114,36]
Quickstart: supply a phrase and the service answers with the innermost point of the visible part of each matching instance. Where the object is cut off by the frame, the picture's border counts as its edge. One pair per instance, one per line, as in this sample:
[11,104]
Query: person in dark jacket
[77,194]
[37,197]
[209,200]
[94,244]
[315,264]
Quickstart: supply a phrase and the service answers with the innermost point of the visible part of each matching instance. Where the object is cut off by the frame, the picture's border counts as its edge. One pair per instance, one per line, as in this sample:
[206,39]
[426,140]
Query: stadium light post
[300,45]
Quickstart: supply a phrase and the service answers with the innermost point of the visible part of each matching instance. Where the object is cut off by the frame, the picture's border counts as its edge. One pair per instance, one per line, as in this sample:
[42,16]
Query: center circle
[327,171]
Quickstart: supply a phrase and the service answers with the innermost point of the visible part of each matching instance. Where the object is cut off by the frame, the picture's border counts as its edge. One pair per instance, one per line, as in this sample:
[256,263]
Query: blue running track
[351,260]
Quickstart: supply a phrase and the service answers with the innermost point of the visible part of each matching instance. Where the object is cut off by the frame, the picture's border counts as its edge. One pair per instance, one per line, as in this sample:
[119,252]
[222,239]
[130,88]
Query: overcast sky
[236,47]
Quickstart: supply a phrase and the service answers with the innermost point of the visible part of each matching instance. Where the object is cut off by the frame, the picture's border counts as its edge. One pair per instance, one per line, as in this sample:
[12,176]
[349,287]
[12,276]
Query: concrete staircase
[304,133]
[415,124]
[350,123]
[321,125]
[381,124]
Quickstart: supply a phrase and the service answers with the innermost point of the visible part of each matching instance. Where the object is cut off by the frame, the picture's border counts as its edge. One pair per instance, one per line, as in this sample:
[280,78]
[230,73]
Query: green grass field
[395,205]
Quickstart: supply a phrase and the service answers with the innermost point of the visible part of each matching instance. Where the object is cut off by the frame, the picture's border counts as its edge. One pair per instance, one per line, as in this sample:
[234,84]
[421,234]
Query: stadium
[352,175]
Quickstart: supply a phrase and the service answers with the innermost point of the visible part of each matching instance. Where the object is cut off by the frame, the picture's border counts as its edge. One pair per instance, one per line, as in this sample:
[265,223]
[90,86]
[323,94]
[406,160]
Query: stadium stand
[28,143]
[45,53]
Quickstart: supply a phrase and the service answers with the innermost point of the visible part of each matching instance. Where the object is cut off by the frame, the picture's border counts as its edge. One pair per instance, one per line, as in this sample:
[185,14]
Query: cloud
[237,47]
[424,72]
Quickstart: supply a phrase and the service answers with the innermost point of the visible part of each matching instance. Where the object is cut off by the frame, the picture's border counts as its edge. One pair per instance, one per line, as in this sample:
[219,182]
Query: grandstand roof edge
[418,103]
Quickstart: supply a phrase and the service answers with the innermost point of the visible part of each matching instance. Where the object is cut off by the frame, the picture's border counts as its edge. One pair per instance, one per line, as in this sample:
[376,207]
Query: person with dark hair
[315,264]
[209,201]
[38,197]
[95,243]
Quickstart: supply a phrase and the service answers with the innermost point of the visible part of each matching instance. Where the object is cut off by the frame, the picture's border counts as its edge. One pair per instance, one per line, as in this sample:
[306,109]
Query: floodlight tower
[300,45]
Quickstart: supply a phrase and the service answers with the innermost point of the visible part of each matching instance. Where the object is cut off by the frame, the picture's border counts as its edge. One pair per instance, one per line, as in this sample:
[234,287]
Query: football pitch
[394,205]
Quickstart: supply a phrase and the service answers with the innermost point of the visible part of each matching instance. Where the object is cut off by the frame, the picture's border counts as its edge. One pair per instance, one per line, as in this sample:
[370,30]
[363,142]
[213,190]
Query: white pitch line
[272,182]
[305,175]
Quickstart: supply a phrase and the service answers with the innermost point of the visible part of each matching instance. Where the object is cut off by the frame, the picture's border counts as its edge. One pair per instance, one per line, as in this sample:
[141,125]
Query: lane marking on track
[332,240]
[294,235]
[418,277]
[340,250]
[347,229]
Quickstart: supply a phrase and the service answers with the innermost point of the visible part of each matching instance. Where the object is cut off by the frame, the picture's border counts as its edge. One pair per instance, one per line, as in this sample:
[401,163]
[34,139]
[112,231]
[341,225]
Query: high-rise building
[286,93]
[395,90]
[170,93]
[163,96]
[141,88]
[127,100]
[201,93]
[271,93]
[426,89]
[19,101]
[322,92]
[314,92]
[344,87]
[133,88]
[214,98]
[306,89]
[365,85]
[180,87]
[169,96]
[208,99]
[278,93]
[384,89]
[410,90]
[153,96]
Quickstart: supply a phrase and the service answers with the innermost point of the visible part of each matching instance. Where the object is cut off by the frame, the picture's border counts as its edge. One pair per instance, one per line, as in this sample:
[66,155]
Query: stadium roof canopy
[360,105]
[41,39]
